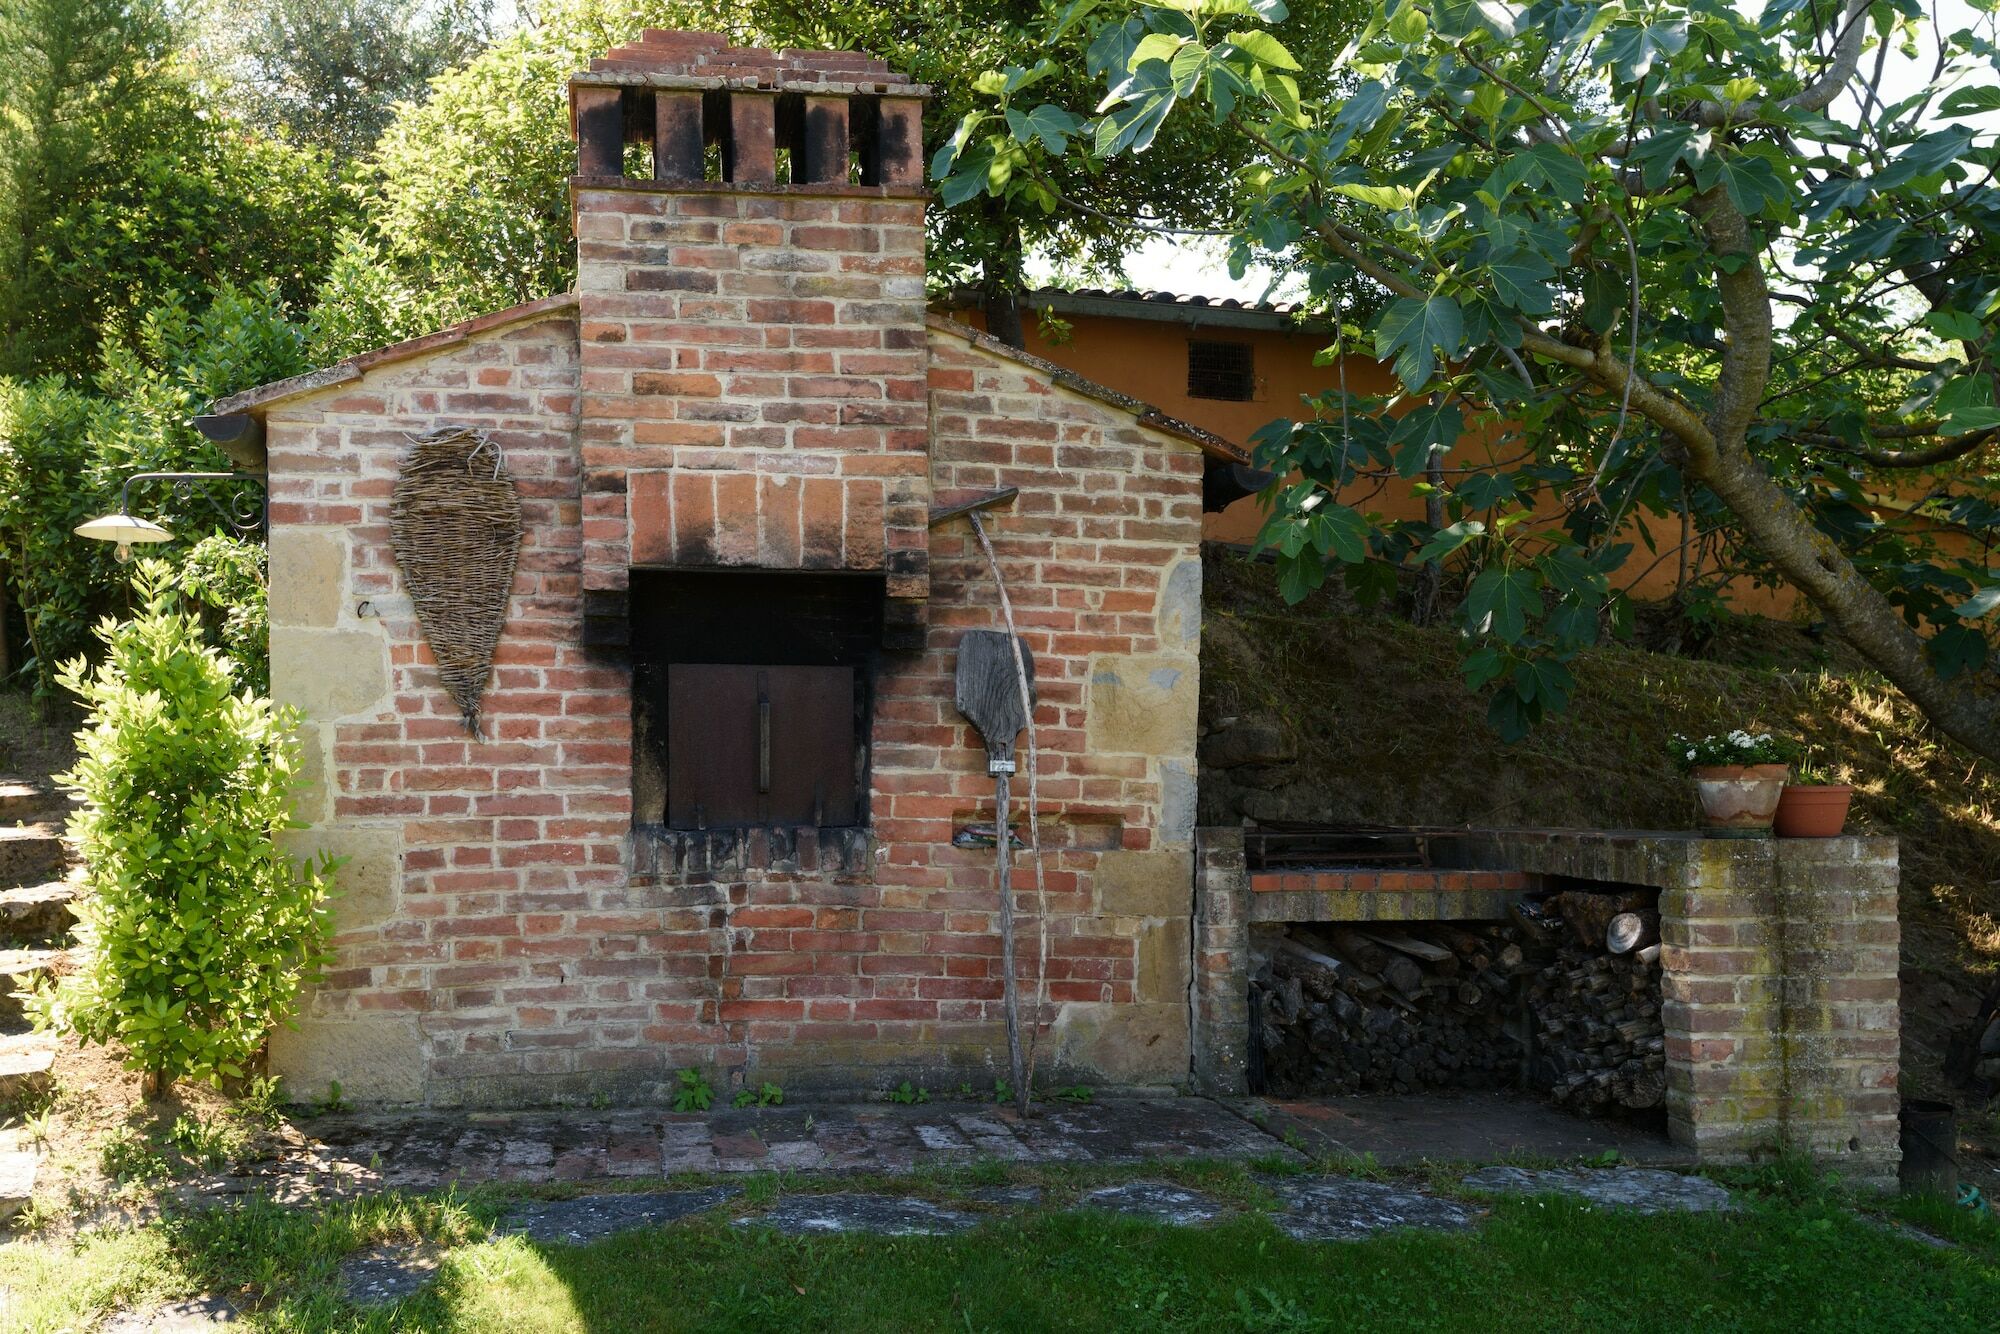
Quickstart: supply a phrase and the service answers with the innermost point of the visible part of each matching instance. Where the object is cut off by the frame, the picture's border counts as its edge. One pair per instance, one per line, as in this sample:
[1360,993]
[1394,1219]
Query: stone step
[19,800]
[37,914]
[31,852]
[22,970]
[17,1180]
[27,1065]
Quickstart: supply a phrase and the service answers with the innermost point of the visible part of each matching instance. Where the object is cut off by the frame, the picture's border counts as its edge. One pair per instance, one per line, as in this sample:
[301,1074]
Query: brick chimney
[752,314]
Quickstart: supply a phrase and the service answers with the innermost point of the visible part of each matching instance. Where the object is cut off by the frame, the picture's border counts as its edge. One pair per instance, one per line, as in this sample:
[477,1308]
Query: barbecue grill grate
[1279,847]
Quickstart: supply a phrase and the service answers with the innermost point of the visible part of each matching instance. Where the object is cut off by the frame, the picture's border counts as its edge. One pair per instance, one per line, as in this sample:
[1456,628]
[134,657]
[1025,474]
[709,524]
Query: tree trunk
[1856,608]
[1001,280]
[1716,454]
[1430,584]
[1003,315]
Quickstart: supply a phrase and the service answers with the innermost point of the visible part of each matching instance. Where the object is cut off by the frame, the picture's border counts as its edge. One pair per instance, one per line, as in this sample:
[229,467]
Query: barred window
[1221,370]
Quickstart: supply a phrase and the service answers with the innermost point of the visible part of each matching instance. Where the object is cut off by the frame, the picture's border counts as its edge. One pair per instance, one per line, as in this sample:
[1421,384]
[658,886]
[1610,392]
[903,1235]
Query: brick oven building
[714,810]
[728,442]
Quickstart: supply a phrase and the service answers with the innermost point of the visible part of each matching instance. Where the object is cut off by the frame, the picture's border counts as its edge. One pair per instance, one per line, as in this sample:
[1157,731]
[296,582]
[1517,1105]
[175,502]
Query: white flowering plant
[1731,748]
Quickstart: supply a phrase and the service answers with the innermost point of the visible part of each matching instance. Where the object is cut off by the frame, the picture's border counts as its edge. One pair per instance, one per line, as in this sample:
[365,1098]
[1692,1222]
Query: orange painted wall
[1148,360]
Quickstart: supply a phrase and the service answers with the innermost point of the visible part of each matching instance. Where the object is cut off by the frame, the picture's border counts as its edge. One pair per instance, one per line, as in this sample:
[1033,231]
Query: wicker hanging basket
[455,526]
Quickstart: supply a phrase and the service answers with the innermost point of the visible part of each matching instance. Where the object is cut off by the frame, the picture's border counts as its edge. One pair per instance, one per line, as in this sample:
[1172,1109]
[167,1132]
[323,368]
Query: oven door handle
[763,742]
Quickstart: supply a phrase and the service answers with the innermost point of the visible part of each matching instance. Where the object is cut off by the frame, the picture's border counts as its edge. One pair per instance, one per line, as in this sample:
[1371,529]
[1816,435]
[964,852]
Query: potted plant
[1811,806]
[1738,778]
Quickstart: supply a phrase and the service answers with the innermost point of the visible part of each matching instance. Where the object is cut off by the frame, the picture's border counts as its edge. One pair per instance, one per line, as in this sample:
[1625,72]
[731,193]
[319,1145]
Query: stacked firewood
[1599,1042]
[1564,999]
[1352,1009]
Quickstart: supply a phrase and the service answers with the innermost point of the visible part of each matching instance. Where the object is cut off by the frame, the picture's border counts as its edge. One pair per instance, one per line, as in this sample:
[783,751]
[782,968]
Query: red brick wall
[474,861]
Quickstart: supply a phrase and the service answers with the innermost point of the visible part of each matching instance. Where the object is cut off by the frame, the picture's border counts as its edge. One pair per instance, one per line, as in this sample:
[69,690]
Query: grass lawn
[1792,1259]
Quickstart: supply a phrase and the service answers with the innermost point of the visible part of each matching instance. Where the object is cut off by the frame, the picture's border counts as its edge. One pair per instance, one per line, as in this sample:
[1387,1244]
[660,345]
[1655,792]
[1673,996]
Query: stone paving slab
[386,1274]
[1156,1202]
[1647,1190]
[1310,1208]
[1467,1127]
[18,1168]
[589,1218]
[427,1150]
[883,1215]
[184,1317]
[1344,1209]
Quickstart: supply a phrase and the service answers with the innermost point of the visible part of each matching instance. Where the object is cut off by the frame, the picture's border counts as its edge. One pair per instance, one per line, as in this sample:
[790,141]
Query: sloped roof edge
[1149,416]
[1193,311]
[358,365]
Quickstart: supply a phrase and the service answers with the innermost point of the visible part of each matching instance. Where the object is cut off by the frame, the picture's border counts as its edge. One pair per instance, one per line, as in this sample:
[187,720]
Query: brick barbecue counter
[1779,959]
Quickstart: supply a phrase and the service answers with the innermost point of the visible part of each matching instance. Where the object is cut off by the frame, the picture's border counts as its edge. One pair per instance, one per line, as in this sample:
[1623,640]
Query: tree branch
[1816,95]
[1942,451]
[1746,315]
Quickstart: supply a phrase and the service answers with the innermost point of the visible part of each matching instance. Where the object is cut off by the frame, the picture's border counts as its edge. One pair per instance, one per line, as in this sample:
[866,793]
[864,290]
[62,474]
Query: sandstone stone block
[1126,1044]
[368,886]
[329,674]
[1142,705]
[1180,606]
[1164,960]
[308,579]
[1180,796]
[1145,884]
[376,1058]
[312,795]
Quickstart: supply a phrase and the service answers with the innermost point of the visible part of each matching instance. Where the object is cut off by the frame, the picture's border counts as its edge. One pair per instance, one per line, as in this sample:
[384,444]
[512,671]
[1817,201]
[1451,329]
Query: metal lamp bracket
[246,511]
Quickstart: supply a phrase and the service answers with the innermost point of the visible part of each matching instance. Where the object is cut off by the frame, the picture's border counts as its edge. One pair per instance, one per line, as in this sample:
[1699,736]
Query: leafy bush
[122,184]
[694,1093]
[365,303]
[60,582]
[226,576]
[202,931]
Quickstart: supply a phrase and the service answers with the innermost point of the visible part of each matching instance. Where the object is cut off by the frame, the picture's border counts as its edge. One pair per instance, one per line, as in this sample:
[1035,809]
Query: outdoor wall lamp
[244,507]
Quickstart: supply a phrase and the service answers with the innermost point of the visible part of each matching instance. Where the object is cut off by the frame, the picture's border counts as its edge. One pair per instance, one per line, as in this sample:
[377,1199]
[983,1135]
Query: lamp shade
[124,529]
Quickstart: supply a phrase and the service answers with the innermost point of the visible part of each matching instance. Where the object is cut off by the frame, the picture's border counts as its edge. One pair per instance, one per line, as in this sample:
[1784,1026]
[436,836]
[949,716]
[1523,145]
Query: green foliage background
[65,452]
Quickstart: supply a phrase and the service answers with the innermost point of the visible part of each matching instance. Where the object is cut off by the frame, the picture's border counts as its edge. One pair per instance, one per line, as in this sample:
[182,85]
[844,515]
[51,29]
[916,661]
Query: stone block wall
[1221,1039]
[1779,958]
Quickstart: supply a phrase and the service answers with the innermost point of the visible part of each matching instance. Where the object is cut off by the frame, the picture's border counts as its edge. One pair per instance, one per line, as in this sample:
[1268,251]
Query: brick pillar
[677,135]
[1719,1002]
[897,157]
[1222,963]
[1780,1002]
[751,153]
[1836,901]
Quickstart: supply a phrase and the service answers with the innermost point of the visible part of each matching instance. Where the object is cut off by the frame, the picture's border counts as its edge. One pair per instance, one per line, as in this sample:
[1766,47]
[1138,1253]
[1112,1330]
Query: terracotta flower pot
[1813,810]
[1740,798]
